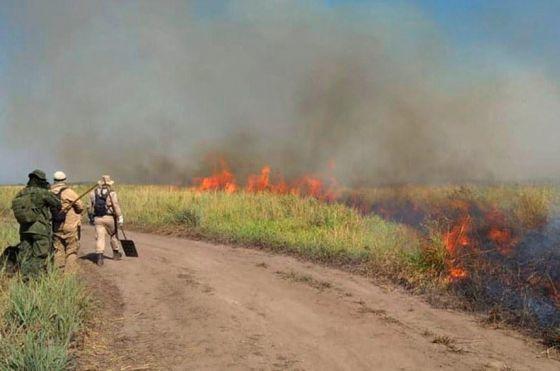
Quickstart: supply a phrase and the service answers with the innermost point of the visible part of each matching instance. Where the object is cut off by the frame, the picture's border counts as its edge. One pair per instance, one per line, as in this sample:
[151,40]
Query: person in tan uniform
[66,225]
[105,213]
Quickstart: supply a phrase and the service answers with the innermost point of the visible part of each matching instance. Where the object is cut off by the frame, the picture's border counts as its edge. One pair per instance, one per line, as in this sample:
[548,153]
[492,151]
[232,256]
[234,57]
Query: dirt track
[192,305]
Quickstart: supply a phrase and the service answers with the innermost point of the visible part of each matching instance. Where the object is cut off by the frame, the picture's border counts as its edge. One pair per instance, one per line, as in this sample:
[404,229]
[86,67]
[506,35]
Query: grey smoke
[157,92]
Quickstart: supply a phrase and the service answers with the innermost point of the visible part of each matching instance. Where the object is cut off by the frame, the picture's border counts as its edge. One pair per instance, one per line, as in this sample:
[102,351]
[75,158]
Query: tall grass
[325,232]
[38,318]
[397,232]
[306,227]
[7,193]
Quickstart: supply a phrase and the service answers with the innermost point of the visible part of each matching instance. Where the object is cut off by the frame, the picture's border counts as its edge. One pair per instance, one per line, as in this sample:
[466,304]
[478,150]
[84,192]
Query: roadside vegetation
[330,233]
[493,248]
[39,319]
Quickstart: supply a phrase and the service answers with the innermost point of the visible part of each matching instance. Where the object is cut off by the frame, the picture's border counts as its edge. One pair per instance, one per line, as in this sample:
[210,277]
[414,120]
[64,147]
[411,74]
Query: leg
[114,242]
[72,247]
[112,232]
[59,252]
[34,255]
[100,232]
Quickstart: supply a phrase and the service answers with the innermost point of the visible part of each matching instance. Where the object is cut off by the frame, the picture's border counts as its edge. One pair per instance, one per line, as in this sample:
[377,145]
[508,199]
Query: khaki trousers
[105,227]
[66,252]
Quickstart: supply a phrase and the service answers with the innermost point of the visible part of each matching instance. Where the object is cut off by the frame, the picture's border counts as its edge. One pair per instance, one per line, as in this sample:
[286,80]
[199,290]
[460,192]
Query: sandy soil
[193,305]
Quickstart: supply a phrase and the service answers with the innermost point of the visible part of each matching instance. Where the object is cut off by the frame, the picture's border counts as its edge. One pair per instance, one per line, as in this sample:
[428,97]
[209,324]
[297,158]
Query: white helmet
[59,176]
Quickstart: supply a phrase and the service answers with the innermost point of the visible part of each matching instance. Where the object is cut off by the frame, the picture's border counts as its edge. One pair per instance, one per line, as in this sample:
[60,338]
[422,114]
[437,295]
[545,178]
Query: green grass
[368,230]
[39,319]
[331,233]
[8,234]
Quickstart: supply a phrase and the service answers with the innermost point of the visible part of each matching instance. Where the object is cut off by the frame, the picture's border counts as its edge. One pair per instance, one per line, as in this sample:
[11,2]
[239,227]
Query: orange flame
[259,183]
[222,180]
[458,236]
[457,273]
[503,239]
[262,182]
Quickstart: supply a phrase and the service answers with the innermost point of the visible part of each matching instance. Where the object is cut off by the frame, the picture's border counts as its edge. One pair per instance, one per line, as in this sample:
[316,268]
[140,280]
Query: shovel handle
[124,234]
[66,209]
[115,220]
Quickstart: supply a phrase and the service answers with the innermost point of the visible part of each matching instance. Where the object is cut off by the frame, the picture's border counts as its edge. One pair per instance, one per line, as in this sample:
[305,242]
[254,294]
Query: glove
[121,220]
[91,219]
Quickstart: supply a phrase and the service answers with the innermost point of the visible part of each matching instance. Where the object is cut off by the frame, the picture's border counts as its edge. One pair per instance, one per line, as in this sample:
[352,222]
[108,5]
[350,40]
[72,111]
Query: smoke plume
[160,91]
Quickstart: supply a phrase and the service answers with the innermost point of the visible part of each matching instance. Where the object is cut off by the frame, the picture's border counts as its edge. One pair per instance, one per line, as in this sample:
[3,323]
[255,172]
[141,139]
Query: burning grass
[322,187]
[499,246]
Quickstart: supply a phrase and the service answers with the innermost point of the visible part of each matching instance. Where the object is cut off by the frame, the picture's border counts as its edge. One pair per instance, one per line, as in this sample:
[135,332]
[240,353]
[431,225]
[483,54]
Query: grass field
[306,227]
[39,319]
[493,246]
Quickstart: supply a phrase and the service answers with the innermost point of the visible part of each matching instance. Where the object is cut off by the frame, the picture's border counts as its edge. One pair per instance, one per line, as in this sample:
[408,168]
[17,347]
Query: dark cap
[38,174]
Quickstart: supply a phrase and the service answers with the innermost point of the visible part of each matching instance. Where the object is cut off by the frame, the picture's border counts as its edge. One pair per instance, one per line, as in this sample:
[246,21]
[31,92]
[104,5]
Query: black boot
[117,255]
[100,259]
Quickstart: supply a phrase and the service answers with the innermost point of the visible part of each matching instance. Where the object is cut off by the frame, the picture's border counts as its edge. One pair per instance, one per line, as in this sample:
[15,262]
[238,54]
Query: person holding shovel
[66,225]
[105,214]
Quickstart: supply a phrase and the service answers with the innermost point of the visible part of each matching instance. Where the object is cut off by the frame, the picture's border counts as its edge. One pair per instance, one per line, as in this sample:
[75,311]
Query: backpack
[100,204]
[24,208]
[58,216]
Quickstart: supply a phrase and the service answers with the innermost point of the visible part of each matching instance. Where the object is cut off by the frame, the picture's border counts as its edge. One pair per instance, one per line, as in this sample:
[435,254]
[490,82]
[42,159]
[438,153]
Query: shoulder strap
[102,192]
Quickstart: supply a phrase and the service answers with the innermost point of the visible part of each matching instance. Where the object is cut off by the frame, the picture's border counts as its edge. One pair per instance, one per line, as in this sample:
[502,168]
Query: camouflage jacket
[44,201]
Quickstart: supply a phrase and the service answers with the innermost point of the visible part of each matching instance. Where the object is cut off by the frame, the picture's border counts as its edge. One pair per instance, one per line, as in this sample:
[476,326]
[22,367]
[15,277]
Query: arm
[91,202]
[115,204]
[51,200]
[79,207]
[72,198]
[90,206]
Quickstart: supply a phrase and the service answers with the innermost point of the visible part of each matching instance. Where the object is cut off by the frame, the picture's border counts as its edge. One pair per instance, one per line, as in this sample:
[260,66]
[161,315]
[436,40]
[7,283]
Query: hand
[121,220]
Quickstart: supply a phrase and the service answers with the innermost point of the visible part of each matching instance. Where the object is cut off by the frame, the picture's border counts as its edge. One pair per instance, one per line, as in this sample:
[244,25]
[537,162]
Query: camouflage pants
[33,256]
[66,252]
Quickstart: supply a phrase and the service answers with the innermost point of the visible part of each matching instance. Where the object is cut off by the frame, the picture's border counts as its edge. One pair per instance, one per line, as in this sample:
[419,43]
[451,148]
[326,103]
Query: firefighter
[32,209]
[66,225]
[105,214]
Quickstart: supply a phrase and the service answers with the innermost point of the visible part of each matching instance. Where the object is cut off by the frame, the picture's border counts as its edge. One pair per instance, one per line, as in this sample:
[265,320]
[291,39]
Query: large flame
[221,180]
[306,186]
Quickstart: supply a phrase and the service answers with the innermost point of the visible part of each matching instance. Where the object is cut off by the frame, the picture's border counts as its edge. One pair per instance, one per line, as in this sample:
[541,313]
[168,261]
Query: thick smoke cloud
[158,91]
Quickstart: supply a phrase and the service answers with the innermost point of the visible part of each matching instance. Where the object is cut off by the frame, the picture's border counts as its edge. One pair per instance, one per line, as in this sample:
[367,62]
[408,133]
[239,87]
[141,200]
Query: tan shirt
[73,216]
[113,206]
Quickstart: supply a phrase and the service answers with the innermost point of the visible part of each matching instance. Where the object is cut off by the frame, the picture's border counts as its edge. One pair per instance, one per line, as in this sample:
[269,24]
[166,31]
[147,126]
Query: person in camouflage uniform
[36,236]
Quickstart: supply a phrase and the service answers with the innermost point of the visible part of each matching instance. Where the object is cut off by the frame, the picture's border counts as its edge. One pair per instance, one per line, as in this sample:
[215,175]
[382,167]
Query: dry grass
[394,232]
[330,233]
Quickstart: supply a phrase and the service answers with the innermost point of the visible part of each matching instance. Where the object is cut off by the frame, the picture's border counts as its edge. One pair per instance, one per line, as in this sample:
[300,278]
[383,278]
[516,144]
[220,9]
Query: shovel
[128,246]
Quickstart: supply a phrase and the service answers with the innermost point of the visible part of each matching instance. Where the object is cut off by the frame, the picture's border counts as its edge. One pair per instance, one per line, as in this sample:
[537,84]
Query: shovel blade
[129,248]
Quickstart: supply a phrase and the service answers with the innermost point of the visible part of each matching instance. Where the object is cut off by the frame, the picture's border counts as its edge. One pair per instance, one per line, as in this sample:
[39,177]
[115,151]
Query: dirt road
[193,305]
